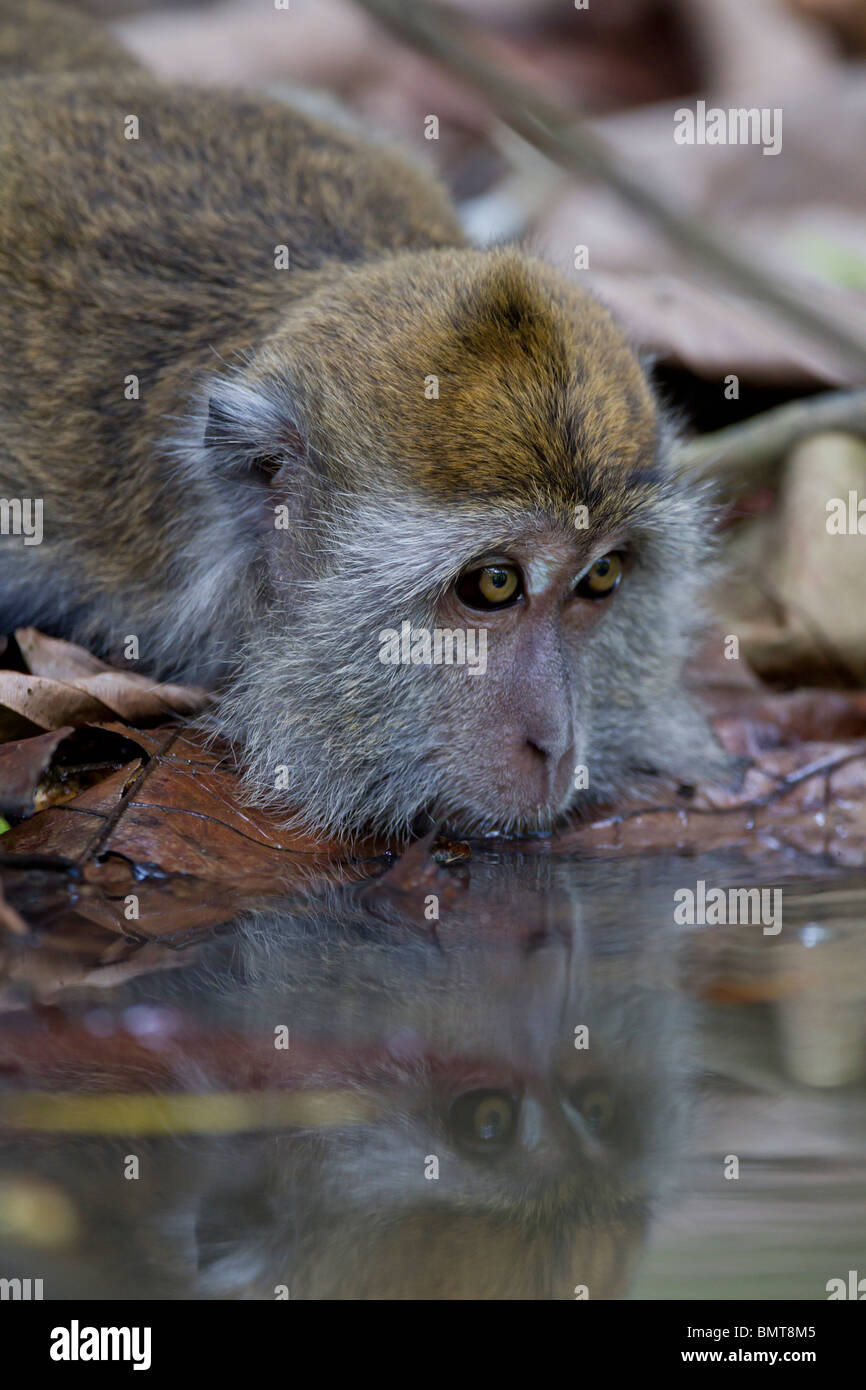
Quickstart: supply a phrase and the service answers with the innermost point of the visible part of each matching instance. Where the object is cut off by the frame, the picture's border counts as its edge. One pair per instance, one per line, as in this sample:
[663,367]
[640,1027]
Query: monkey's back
[128,203]
[153,250]
[45,37]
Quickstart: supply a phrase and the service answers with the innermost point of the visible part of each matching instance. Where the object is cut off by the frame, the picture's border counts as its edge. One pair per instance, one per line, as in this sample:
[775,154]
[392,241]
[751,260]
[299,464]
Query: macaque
[286,427]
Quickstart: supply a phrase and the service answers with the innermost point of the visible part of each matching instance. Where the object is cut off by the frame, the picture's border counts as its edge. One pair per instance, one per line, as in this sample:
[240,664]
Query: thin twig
[739,452]
[455,43]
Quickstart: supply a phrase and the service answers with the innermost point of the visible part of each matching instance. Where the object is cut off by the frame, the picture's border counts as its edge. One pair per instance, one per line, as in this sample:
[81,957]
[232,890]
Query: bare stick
[742,452]
[440,33]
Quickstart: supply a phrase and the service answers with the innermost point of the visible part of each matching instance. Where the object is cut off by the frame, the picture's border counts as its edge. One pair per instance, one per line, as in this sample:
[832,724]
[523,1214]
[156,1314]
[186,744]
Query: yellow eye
[601,578]
[484,1121]
[498,583]
[597,1109]
[495,586]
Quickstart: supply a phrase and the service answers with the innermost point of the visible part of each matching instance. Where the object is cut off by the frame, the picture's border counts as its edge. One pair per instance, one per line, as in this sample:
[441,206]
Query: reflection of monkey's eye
[596,1108]
[601,578]
[483,1122]
[495,586]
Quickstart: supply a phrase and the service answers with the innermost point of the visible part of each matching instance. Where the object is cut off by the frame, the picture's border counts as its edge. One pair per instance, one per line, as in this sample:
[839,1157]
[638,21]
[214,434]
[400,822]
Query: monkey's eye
[601,578]
[494,586]
[596,1108]
[483,1122]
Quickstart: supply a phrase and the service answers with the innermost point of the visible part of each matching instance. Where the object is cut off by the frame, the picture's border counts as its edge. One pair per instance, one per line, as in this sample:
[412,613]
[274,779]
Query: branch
[740,452]
[440,33]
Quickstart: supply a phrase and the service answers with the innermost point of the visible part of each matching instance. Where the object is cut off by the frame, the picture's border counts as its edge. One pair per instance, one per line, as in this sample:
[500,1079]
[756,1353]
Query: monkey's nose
[548,767]
[537,749]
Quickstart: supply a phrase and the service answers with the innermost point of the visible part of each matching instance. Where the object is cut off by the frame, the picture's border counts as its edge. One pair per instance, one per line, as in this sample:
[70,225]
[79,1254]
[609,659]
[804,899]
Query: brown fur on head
[538,392]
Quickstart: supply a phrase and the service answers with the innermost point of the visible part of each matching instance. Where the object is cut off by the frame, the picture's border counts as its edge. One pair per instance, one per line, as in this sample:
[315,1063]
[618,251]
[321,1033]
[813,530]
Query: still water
[554,1089]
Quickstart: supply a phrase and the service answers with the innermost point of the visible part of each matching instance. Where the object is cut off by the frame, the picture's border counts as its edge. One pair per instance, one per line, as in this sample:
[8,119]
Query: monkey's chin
[505,823]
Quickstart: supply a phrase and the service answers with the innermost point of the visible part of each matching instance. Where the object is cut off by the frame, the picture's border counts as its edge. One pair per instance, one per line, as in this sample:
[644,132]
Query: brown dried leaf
[23,763]
[66,685]
[174,831]
[713,333]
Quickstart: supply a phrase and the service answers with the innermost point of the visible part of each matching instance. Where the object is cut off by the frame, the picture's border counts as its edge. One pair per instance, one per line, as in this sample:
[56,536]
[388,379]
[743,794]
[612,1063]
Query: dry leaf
[65,684]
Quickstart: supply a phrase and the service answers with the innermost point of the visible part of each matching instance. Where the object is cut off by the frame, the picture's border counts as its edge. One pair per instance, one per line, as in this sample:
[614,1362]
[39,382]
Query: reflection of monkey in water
[409,1057]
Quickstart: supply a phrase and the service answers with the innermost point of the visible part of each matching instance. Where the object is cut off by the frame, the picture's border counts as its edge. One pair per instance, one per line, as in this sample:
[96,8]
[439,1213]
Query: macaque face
[492,687]
[538,604]
[481,598]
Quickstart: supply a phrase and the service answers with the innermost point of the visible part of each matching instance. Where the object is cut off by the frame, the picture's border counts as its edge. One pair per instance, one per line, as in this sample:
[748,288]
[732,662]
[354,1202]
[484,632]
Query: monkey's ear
[250,434]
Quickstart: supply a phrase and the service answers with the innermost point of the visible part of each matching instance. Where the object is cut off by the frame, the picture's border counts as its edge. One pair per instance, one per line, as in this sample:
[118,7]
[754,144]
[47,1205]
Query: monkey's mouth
[459,828]
[538,824]
[498,802]
[454,830]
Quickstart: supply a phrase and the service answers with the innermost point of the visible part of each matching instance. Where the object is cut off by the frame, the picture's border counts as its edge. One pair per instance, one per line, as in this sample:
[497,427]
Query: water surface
[554,1090]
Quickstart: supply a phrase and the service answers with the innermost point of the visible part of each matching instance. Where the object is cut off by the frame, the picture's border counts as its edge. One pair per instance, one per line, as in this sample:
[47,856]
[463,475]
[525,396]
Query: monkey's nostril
[537,774]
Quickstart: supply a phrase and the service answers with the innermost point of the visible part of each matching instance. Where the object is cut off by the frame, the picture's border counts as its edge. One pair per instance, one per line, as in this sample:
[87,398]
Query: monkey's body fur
[303,389]
[155,258]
